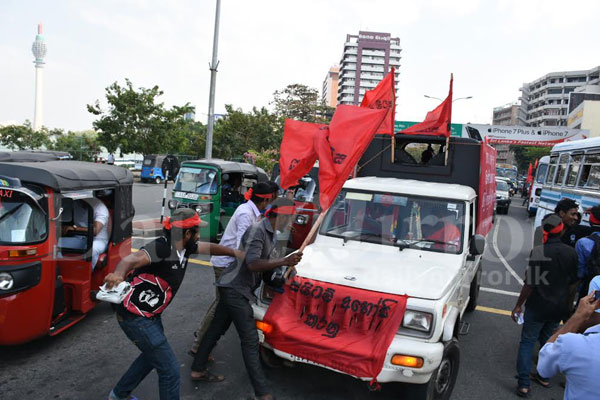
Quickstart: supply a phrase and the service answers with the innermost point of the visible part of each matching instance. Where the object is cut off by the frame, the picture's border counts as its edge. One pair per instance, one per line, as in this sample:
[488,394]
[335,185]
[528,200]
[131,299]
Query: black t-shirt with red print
[155,285]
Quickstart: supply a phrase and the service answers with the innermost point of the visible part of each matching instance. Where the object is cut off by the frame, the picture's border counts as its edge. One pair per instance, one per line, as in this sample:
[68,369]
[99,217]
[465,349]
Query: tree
[301,102]
[239,132]
[524,155]
[265,159]
[23,137]
[136,123]
[81,145]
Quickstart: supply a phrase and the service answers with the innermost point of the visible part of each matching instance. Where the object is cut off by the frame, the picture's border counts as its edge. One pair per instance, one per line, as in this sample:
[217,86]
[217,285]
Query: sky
[492,47]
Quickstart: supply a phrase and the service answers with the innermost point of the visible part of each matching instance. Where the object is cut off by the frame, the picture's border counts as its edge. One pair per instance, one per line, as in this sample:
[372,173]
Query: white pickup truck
[405,237]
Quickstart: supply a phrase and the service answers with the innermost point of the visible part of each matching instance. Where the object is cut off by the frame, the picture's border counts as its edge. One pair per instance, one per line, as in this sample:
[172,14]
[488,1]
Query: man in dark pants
[552,269]
[236,287]
[158,270]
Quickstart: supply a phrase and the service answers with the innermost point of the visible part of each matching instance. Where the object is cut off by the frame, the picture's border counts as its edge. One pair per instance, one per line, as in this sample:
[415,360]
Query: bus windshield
[397,220]
[197,180]
[21,220]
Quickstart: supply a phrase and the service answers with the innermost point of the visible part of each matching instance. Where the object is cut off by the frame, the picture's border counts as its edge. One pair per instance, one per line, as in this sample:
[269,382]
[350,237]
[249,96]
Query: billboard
[456,129]
[523,135]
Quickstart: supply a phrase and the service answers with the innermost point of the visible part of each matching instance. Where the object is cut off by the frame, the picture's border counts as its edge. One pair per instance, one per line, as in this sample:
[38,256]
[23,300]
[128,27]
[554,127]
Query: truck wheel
[474,290]
[443,379]
[157,180]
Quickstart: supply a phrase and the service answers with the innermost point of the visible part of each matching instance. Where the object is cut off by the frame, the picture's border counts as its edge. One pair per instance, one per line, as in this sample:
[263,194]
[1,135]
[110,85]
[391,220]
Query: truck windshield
[197,180]
[21,220]
[397,220]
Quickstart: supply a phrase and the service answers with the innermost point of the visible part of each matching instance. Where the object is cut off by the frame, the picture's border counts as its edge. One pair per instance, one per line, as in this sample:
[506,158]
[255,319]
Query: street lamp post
[213,80]
[437,98]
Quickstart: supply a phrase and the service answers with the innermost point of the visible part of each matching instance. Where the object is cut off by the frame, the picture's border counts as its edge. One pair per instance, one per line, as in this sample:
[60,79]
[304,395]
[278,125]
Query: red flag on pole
[437,122]
[536,164]
[383,96]
[530,174]
[340,147]
[297,154]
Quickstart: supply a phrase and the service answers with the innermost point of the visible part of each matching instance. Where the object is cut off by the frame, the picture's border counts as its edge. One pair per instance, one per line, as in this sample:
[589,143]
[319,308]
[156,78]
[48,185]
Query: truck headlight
[6,281]
[417,320]
[173,204]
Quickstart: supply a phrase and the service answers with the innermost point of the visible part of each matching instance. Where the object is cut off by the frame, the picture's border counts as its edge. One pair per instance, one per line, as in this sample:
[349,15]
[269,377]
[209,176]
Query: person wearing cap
[157,271]
[258,198]
[552,269]
[588,249]
[236,290]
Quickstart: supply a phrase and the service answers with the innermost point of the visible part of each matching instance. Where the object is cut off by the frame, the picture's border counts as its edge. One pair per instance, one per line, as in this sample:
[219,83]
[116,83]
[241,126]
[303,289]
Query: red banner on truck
[487,189]
[340,327]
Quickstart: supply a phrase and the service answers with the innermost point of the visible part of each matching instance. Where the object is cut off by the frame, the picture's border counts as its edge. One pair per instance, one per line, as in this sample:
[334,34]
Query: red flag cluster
[437,122]
[339,146]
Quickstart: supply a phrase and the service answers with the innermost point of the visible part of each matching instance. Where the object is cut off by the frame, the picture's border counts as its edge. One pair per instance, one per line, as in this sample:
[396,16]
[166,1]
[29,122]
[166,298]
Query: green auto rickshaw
[214,188]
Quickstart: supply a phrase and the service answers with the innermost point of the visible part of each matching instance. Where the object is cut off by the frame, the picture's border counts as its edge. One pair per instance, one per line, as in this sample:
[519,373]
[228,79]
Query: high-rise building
[39,52]
[367,57]
[507,114]
[584,109]
[544,102]
[330,86]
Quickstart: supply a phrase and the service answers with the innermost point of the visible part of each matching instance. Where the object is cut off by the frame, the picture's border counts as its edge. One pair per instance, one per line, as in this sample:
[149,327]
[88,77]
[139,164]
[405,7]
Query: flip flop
[521,393]
[209,377]
[540,381]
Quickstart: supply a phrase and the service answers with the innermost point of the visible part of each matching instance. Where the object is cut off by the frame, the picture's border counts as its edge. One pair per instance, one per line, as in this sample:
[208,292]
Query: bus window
[562,167]
[552,169]
[541,173]
[590,174]
[573,171]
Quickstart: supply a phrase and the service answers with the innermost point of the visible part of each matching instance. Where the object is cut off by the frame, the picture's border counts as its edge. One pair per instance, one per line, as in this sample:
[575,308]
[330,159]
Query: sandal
[541,381]
[523,392]
[208,377]
[192,353]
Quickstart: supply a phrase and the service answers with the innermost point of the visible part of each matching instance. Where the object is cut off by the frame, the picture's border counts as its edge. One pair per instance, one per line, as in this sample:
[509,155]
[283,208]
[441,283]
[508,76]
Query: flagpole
[313,230]
[393,147]
[447,150]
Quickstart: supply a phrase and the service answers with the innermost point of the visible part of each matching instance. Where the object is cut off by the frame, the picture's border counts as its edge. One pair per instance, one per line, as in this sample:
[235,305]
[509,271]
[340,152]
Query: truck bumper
[431,353]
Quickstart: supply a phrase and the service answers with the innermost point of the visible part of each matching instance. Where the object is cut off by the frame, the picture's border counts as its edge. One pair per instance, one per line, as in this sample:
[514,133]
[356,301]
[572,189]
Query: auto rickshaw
[306,197]
[156,166]
[46,285]
[214,188]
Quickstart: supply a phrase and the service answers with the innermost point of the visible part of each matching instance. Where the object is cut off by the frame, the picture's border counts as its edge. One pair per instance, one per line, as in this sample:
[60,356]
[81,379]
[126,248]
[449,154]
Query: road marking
[499,255]
[493,310]
[499,291]
[192,260]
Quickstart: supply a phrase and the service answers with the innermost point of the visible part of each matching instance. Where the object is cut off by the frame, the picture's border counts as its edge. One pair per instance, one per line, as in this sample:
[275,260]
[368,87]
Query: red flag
[437,122]
[341,327]
[536,164]
[340,147]
[530,173]
[383,96]
[297,155]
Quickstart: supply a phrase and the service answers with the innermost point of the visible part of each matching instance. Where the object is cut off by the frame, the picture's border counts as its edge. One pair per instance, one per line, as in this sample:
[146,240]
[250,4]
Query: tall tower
[39,51]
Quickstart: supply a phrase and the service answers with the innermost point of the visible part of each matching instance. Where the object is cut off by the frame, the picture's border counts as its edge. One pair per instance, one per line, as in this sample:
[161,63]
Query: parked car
[502,196]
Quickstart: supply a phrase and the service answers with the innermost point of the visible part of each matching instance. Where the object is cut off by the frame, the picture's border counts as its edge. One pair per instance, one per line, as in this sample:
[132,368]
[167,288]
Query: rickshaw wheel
[157,180]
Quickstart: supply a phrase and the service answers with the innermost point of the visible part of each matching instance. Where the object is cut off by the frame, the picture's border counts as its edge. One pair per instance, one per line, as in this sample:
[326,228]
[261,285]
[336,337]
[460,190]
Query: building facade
[584,109]
[330,86]
[367,57]
[545,101]
[507,114]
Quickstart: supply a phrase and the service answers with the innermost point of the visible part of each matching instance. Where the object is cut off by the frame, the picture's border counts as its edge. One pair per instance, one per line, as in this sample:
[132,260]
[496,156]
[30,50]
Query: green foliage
[238,132]
[23,137]
[301,102]
[136,123]
[265,159]
[528,154]
[82,146]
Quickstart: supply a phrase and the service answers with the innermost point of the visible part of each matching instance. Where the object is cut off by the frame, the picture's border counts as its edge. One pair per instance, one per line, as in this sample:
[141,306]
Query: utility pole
[213,81]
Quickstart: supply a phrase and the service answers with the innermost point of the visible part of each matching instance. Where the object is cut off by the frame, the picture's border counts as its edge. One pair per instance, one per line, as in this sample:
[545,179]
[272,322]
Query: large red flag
[340,147]
[383,96]
[530,174]
[297,154]
[437,122]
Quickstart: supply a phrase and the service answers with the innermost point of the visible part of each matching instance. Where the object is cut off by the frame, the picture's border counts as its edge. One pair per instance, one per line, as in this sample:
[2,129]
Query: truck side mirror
[477,245]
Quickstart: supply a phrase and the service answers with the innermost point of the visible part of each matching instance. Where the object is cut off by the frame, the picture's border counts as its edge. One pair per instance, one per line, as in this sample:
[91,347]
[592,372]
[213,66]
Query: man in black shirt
[236,290]
[552,268]
[568,211]
[158,269]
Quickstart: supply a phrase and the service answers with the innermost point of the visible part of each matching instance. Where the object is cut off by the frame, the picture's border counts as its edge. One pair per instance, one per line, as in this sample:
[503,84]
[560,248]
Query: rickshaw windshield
[149,162]
[21,220]
[197,180]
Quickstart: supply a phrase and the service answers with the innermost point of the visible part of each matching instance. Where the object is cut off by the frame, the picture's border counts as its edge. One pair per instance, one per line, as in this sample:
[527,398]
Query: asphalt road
[86,361]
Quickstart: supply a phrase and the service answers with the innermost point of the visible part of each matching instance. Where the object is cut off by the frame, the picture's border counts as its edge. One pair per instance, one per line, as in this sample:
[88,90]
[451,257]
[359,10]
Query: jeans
[148,335]
[210,313]
[233,307]
[534,330]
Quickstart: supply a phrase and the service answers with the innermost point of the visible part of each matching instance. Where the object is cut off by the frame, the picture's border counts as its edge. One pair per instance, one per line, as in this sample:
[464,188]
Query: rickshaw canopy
[227,167]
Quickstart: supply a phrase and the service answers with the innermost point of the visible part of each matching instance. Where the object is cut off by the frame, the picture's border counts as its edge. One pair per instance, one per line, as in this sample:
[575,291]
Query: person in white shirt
[259,197]
[100,227]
